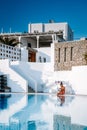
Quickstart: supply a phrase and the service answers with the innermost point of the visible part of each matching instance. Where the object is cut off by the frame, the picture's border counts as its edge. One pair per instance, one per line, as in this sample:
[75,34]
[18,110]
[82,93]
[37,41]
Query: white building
[38,41]
[52,27]
[40,46]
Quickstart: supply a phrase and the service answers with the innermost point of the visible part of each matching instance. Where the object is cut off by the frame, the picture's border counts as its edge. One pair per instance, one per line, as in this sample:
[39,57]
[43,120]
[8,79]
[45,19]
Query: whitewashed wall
[35,27]
[52,27]
[34,72]
[76,78]
[79,79]
[59,26]
[24,54]
[43,53]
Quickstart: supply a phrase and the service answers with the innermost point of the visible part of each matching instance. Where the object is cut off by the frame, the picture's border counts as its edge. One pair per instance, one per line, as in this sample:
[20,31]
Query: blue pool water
[42,112]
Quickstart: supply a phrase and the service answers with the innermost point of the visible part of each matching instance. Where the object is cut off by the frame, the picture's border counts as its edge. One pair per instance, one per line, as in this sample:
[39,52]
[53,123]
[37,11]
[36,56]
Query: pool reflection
[62,122]
[46,112]
[4,101]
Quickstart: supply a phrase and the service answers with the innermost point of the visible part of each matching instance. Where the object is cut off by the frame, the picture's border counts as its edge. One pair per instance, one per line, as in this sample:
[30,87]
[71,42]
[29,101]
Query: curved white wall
[77,78]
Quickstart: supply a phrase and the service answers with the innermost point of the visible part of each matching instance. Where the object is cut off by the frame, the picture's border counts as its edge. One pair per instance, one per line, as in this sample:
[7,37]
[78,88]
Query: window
[40,59]
[14,53]
[44,59]
[14,57]
[36,31]
[14,49]
[29,45]
[59,55]
[71,56]
[64,54]
[7,55]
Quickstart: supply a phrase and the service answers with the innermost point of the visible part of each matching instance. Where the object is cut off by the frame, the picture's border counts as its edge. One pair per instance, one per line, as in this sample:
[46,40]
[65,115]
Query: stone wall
[68,54]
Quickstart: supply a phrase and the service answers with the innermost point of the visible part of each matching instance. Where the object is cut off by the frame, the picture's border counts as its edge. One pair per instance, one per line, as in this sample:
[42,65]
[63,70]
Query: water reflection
[61,99]
[46,112]
[37,125]
[62,122]
[4,100]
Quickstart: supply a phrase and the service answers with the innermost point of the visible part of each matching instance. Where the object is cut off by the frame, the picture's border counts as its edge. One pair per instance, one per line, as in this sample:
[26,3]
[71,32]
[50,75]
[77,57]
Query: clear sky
[16,14]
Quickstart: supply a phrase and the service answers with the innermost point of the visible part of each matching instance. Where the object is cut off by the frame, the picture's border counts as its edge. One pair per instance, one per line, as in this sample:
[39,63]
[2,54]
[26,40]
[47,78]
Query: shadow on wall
[42,57]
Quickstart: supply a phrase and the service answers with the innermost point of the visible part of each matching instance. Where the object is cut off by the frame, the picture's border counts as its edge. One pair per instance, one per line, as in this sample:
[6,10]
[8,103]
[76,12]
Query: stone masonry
[68,54]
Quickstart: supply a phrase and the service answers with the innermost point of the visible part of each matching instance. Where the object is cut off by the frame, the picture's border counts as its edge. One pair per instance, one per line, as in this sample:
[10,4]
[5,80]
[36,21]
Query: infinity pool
[42,112]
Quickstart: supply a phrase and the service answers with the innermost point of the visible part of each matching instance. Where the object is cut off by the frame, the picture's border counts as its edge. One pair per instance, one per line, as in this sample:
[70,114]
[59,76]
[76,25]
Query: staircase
[30,90]
[32,72]
[14,80]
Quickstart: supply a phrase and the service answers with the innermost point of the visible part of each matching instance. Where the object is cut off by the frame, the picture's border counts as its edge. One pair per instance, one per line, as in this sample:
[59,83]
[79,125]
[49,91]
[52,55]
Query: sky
[15,15]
